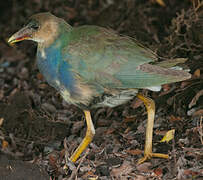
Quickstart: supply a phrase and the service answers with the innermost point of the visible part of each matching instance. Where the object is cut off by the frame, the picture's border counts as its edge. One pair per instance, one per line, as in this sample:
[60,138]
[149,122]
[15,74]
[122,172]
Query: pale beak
[23,34]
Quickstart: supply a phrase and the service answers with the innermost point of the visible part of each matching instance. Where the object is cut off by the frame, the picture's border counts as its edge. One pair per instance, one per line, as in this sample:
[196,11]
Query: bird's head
[41,28]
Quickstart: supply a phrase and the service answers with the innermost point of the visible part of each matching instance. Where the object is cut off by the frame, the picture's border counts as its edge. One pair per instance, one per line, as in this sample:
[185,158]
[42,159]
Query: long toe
[149,155]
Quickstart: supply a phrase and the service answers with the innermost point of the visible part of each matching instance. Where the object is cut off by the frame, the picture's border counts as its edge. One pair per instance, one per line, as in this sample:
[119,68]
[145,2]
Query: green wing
[101,56]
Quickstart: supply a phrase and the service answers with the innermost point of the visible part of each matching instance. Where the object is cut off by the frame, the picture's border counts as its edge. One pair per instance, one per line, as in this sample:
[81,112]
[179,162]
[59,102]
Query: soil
[39,130]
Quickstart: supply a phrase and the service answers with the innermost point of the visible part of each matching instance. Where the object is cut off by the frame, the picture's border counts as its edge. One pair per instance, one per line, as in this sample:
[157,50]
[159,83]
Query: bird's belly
[113,100]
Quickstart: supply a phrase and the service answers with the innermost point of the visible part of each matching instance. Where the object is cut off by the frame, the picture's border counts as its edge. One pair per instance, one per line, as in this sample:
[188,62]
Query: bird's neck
[59,38]
[53,65]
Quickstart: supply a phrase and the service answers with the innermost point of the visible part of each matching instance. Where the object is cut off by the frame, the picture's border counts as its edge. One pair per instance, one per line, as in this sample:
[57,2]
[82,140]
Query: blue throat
[55,69]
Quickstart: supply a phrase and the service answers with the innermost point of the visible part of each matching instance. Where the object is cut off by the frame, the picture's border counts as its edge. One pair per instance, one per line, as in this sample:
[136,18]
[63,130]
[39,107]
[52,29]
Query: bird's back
[102,56]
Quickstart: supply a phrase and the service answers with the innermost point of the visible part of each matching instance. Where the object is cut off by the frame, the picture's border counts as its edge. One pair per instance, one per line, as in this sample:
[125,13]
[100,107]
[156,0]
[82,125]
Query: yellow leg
[88,137]
[150,106]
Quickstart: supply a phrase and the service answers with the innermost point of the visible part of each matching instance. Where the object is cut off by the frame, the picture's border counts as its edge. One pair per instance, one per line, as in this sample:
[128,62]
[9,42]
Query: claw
[150,106]
[150,155]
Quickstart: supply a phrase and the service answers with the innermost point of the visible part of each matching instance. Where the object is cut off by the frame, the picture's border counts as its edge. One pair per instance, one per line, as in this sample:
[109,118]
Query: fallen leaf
[110,131]
[4,144]
[1,121]
[190,172]
[43,86]
[161,2]
[127,130]
[124,169]
[174,118]
[140,177]
[134,151]
[1,94]
[168,136]
[52,161]
[195,99]
[40,76]
[197,73]
[158,172]
[78,125]
[184,84]
[129,119]
[166,87]
[93,178]
[144,167]
[90,176]
[198,113]
[136,103]
[161,133]
[88,173]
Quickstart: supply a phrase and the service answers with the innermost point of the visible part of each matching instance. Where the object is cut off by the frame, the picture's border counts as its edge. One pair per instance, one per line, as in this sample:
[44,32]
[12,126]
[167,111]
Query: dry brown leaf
[198,113]
[129,119]
[124,169]
[88,174]
[1,94]
[161,2]
[140,177]
[93,178]
[43,86]
[1,121]
[110,131]
[134,151]
[40,76]
[144,167]
[161,133]
[52,161]
[158,172]
[197,73]
[62,154]
[195,99]
[200,129]
[190,172]
[4,144]
[127,130]
[184,84]
[174,118]
[77,126]
[166,87]
[136,103]
[121,155]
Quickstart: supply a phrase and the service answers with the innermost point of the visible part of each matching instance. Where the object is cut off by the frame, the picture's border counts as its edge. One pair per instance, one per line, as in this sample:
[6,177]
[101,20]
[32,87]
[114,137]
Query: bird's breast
[55,70]
[47,64]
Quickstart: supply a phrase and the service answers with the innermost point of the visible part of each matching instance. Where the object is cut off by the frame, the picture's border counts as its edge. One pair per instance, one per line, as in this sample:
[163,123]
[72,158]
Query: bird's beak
[23,34]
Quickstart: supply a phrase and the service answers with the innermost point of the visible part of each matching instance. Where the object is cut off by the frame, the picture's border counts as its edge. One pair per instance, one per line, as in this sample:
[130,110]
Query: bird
[92,66]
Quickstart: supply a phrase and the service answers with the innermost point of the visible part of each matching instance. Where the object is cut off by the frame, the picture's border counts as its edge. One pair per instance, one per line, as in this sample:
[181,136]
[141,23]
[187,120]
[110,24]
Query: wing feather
[102,56]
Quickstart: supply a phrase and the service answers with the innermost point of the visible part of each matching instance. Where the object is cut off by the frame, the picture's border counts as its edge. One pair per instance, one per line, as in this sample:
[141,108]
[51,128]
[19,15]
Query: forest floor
[37,128]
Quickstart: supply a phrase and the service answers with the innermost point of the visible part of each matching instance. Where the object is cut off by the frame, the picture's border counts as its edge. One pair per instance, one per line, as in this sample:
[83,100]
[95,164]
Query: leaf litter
[35,120]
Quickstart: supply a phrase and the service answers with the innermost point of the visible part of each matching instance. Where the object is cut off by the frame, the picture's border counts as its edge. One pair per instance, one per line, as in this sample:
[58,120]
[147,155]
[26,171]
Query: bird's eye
[34,25]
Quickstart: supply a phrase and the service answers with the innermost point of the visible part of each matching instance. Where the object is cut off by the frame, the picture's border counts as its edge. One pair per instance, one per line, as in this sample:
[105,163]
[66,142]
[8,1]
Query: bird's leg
[88,137]
[150,106]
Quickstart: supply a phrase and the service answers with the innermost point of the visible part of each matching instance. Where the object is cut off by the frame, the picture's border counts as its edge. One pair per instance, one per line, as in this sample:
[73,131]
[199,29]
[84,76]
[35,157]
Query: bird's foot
[149,155]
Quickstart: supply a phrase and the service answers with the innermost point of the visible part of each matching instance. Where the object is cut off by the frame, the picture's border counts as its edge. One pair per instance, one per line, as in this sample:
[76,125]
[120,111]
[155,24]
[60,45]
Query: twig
[200,129]
[74,173]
